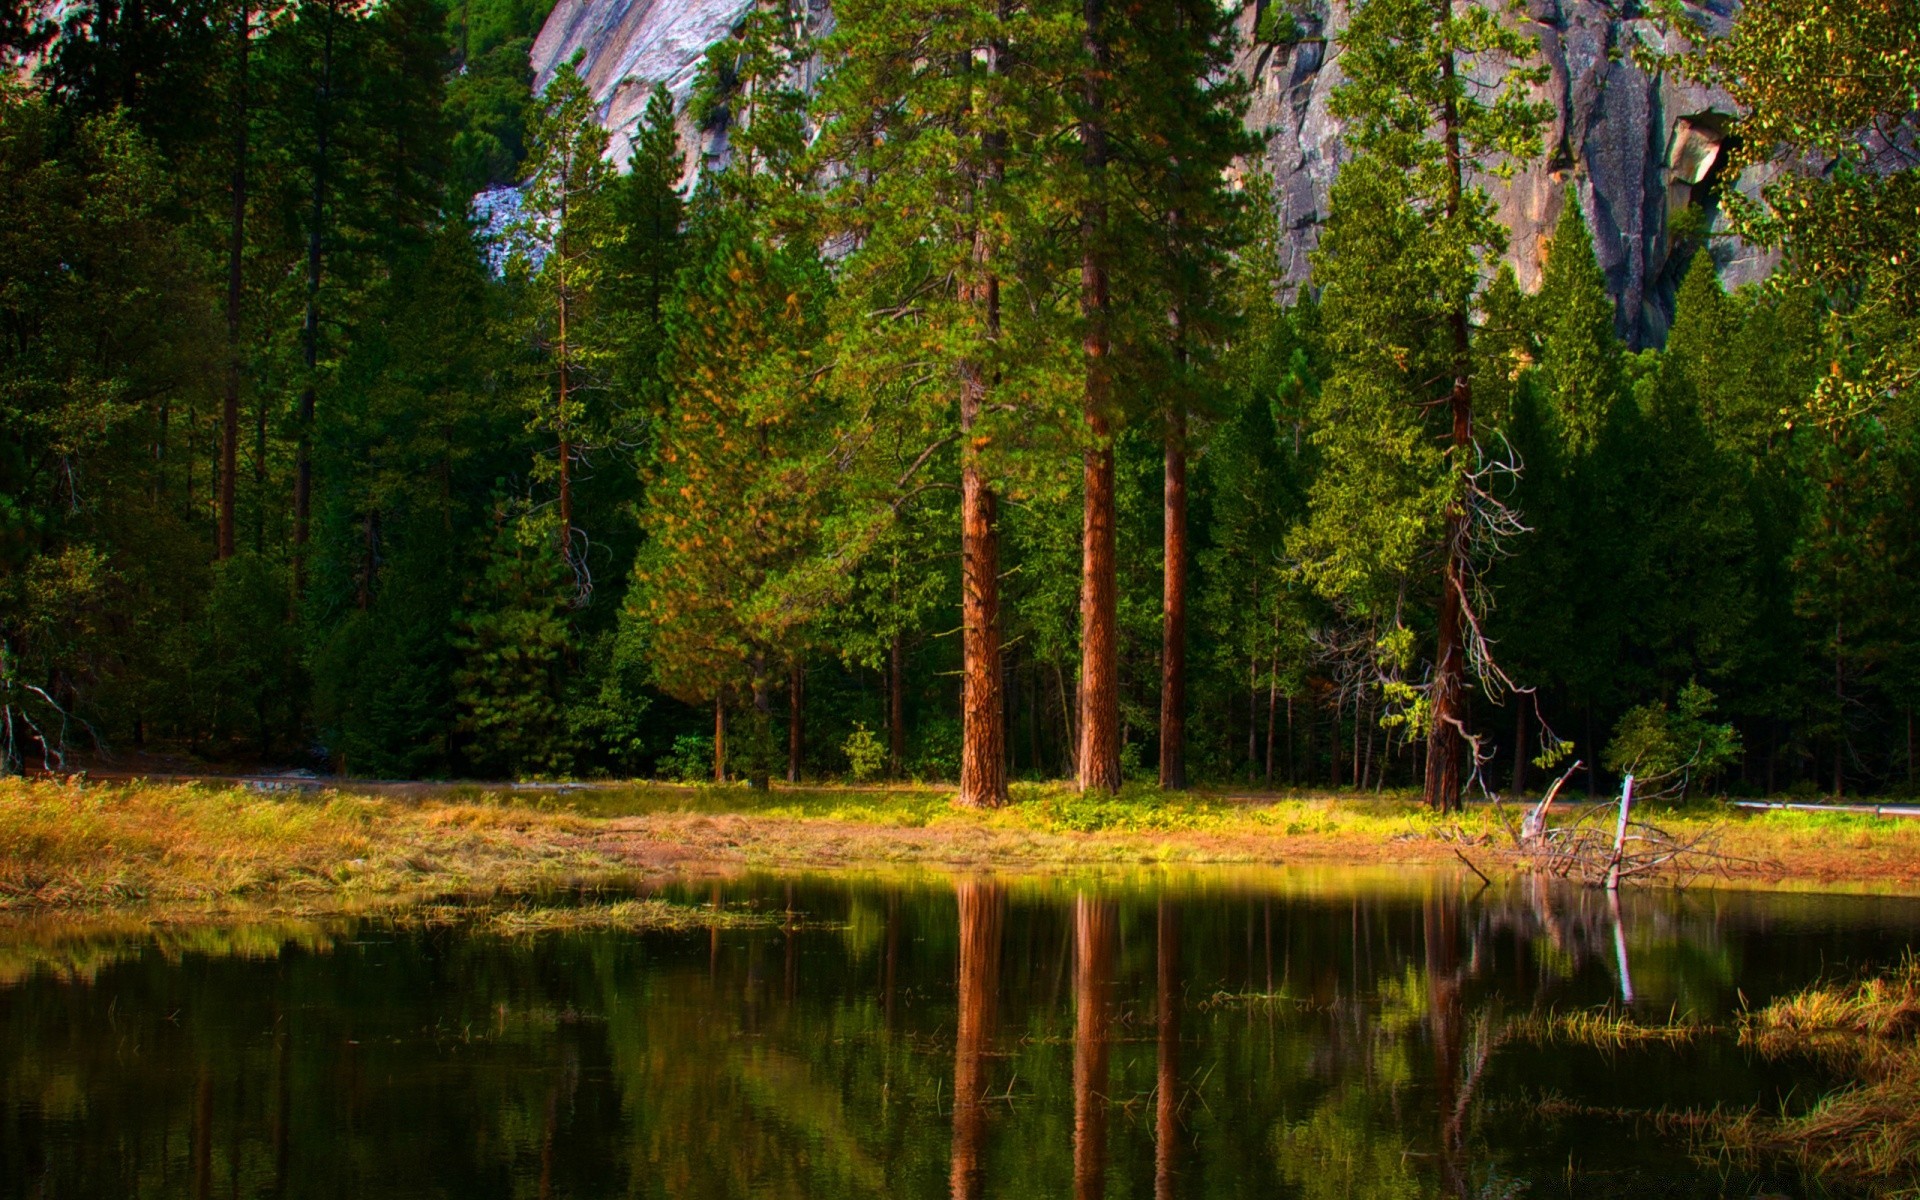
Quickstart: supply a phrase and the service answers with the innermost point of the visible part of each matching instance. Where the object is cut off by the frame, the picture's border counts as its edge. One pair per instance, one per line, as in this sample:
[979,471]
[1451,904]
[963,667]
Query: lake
[1313,1033]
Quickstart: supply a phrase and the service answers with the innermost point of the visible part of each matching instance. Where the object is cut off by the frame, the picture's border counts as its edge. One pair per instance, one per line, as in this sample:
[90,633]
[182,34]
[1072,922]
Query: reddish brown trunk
[983,775]
[981,906]
[1446,741]
[1173,606]
[1166,1108]
[1095,933]
[983,710]
[1099,757]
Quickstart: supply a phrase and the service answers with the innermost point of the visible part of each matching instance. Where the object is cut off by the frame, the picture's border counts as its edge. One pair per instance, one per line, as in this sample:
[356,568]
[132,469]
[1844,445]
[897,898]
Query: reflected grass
[1867,1133]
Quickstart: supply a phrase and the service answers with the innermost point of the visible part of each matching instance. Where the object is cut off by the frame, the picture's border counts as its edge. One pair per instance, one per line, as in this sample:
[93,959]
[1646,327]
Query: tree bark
[1099,758]
[897,707]
[1173,609]
[981,908]
[760,750]
[1095,934]
[983,733]
[719,739]
[796,705]
[310,325]
[236,255]
[1446,740]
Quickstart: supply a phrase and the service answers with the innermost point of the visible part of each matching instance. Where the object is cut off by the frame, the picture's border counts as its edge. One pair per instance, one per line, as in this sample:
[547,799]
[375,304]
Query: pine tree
[742,478]
[568,192]
[1579,351]
[931,107]
[1432,95]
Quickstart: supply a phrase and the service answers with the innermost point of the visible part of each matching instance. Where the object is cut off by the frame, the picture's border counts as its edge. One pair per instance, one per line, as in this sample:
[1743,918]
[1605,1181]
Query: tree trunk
[1099,758]
[1446,741]
[236,255]
[719,739]
[983,777]
[1839,714]
[758,769]
[1273,712]
[564,379]
[983,733]
[897,707]
[1095,934]
[1173,628]
[1333,745]
[981,908]
[310,326]
[796,704]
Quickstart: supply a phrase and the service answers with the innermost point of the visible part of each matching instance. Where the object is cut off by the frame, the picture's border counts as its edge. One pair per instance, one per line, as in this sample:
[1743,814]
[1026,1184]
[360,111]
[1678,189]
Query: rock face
[627,47]
[1638,149]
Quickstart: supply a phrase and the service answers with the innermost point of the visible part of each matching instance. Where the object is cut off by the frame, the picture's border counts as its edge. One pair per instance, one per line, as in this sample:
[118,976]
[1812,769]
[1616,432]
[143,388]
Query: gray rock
[1637,149]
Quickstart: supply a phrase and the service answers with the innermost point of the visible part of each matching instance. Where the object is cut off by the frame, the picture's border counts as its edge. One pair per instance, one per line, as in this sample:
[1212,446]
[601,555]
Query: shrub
[866,757]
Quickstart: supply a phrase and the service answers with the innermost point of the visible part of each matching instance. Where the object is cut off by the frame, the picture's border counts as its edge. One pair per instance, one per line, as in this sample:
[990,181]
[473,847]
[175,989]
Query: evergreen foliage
[787,471]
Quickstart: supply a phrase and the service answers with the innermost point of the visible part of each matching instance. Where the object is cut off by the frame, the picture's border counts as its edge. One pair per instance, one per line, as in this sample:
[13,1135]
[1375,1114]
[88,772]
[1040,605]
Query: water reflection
[1095,933]
[981,906]
[1295,1035]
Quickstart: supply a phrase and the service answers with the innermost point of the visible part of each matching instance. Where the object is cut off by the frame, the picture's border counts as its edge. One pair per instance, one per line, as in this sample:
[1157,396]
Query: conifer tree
[1579,352]
[649,210]
[1433,96]
[931,108]
[741,479]
[568,191]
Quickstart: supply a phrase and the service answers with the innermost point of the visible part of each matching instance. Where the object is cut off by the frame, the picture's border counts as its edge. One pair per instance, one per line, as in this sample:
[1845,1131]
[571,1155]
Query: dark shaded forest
[959,426]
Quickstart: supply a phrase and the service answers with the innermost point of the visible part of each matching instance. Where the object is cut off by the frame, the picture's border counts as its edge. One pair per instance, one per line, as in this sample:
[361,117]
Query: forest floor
[291,844]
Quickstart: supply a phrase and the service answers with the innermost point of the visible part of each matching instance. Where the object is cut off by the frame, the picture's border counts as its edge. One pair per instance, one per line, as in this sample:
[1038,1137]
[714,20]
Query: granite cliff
[1639,149]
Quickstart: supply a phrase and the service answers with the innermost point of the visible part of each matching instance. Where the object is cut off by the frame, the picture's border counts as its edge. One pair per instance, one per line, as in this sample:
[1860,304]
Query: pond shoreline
[330,847]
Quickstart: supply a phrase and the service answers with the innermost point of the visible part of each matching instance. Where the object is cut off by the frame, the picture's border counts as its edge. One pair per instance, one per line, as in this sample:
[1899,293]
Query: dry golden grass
[64,844]
[1867,1134]
[73,844]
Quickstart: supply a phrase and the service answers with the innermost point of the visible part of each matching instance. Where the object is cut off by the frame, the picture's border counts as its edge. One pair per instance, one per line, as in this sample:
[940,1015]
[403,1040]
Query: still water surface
[1315,1034]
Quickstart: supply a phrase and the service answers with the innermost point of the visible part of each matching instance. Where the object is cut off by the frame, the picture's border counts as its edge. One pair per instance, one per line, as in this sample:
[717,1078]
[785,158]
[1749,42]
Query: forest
[961,426]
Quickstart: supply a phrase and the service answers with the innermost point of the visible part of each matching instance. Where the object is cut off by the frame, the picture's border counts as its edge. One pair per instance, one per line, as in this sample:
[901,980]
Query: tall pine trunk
[1446,741]
[310,326]
[1099,758]
[236,255]
[983,736]
[1173,606]
[897,705]
[796,706]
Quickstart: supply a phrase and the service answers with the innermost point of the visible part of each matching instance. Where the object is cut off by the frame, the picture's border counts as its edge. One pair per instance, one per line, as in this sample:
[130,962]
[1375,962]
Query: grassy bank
[71,844]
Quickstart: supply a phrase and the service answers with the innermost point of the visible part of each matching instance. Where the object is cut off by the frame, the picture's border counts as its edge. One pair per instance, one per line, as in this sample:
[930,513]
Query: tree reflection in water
[1314,1038]
[1096,928]
[982,906]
